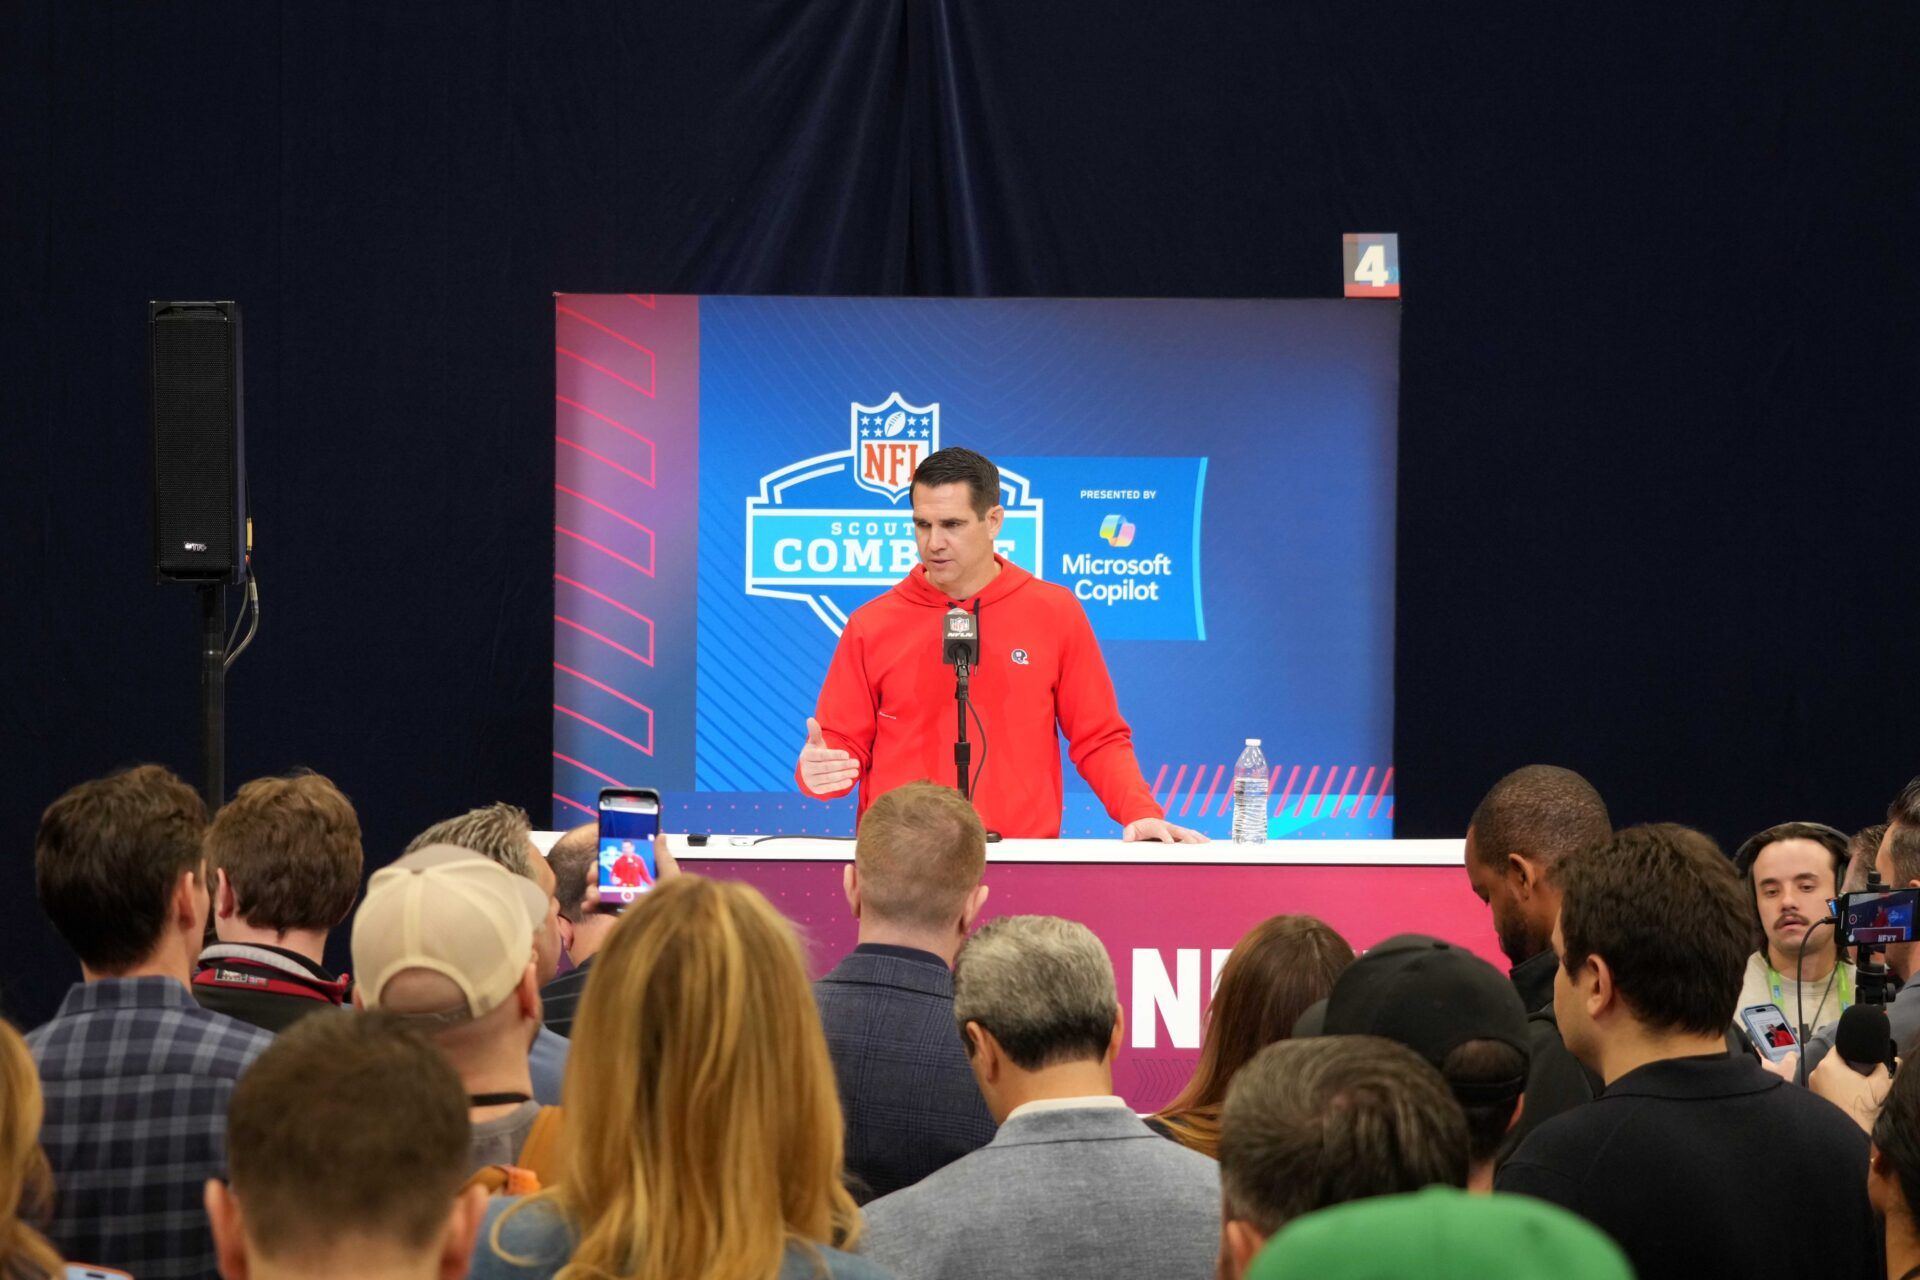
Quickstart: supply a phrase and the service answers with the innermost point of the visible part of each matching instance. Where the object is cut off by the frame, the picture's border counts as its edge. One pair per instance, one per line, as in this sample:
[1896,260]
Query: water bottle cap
[1253,742]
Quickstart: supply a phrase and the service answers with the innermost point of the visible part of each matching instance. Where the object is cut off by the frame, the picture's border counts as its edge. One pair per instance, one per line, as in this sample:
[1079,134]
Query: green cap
[1441,1233]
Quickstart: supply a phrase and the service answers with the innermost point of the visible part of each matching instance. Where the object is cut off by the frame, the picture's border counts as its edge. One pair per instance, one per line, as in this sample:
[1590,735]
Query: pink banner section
[1168,927]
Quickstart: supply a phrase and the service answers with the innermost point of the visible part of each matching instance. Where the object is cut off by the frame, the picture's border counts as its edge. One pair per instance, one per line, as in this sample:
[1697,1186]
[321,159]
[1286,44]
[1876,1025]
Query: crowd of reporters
[521,1081]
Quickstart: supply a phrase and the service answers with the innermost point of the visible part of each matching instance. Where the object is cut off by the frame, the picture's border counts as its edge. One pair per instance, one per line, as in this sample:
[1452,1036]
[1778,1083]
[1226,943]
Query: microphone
[1865,1039]
[960,639]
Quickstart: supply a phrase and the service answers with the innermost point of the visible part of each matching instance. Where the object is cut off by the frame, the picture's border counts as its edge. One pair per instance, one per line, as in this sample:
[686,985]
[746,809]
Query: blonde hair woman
[24,1179]
[702,1128]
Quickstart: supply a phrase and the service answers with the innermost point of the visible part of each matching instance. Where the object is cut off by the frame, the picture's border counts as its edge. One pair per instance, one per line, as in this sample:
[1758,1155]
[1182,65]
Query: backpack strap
[542,1153]
[504,1180]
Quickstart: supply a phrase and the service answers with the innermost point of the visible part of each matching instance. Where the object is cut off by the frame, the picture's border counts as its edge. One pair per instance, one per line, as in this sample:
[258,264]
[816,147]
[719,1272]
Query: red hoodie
[888,699]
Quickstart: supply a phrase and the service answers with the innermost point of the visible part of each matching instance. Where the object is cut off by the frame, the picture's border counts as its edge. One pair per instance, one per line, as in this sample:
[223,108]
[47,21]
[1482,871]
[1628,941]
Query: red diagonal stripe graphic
[647,659]
[1305,791]
[1331,770]
[1199,772]
[1361,794]
[605,687]
[615,734]
[600,368]
[1154,790]
[611,333]
[601,457]
[595,502]
[1282,802]
[582,765]
[606,550]
[572,803]
[644,299]
[1385,781]
[1207,804]
[626,609]
[612,422]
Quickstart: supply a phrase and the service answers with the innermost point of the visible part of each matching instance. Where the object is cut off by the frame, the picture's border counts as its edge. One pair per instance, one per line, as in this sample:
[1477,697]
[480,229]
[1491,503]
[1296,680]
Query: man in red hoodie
[886,711]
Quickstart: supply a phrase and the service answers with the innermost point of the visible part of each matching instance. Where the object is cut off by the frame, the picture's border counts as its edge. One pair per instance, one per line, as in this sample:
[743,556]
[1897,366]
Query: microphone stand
[962,749]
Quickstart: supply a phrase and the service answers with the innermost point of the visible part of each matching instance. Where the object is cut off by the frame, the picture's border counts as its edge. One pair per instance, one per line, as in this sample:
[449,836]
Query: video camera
[1869,921]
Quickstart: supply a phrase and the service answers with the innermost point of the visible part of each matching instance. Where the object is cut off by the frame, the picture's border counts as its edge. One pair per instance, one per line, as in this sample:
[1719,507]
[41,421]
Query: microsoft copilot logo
[1117,531]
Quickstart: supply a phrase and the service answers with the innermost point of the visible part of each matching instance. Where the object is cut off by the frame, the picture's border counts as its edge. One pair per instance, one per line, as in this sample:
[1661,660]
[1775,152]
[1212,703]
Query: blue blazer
[910,1099]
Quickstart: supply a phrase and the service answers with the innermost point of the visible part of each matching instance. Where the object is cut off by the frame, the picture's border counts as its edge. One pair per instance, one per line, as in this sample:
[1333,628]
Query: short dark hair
[348,1125]
[574,857]
[107,857]
[1896,1132]
[1905,809]
[962,466]
[1313,1123]
[291,850]
[1662,905]
[1485,1062]
[1834,842]
[1863,850]
[1903,851]
[1541,810]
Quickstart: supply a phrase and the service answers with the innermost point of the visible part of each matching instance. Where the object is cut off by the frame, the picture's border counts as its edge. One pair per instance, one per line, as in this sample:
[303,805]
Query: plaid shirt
[137,1077]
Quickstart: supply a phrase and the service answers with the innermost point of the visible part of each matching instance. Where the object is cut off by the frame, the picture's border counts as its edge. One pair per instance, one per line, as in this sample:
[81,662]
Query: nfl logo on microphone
[889,441]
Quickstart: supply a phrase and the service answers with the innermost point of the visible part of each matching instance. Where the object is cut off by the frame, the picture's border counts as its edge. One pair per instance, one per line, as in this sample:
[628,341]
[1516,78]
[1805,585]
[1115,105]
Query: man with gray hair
[1074,1184]
[503,833]
[887,1009]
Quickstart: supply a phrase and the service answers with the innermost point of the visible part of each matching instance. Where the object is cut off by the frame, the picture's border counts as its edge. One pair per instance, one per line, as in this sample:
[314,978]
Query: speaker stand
[213,692]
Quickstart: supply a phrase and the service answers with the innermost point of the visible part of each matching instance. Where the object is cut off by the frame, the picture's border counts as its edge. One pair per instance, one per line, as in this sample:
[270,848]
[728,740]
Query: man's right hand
[826,770]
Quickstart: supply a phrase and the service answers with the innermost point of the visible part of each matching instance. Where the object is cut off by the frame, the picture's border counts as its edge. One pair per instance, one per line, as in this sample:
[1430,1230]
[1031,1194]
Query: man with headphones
[1792,871]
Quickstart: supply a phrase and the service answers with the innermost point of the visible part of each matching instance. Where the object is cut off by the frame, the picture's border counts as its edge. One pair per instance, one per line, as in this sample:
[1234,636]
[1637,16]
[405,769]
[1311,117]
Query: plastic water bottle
[1250,796]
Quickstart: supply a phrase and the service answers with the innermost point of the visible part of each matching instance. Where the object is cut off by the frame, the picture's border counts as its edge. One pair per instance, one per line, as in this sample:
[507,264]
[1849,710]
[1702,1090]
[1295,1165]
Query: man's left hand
[1857,1095]
[1160,829]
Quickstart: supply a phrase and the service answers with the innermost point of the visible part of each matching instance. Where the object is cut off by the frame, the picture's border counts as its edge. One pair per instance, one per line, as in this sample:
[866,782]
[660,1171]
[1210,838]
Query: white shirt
[1069,1104]
[1824,1000]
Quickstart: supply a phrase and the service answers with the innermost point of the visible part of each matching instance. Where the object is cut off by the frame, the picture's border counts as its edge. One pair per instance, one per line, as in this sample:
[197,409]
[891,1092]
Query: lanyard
[1842,982]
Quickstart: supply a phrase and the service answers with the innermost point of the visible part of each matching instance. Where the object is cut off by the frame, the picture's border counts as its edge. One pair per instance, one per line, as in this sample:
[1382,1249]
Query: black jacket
[1682,1162]
[560,999]
[1556,1082]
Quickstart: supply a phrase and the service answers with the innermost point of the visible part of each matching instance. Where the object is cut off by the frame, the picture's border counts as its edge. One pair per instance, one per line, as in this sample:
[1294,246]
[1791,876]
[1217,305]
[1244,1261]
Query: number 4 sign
[1372,264]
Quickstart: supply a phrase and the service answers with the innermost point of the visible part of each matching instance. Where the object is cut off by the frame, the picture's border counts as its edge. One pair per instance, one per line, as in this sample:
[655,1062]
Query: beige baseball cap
[449,911]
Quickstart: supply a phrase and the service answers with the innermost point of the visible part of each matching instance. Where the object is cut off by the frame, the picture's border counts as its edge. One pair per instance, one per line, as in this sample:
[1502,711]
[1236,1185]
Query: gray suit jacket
[1085,1194]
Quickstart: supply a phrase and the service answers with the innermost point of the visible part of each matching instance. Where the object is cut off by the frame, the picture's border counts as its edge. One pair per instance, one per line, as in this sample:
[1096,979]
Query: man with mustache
[1792,870]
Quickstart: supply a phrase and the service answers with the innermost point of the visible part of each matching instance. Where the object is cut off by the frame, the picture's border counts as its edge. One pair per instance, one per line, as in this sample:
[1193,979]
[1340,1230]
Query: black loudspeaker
[199,466]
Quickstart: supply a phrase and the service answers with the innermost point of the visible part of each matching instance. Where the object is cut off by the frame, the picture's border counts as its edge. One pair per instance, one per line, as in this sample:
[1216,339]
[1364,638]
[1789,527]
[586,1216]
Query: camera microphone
[1865,1039]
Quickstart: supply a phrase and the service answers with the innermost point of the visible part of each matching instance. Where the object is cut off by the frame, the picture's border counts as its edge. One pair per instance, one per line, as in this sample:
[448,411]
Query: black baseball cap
[1432,997]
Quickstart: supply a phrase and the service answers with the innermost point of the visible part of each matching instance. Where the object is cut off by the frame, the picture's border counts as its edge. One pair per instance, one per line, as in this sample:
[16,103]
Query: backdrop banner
[1168,928]
[1213,480]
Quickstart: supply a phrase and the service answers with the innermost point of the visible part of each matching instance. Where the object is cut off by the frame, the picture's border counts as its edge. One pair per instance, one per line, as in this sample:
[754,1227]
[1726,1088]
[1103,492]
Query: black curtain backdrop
[1659,344]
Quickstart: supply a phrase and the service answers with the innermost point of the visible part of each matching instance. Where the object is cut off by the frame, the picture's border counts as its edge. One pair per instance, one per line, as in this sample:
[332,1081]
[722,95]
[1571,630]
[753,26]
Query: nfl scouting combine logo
[814,535]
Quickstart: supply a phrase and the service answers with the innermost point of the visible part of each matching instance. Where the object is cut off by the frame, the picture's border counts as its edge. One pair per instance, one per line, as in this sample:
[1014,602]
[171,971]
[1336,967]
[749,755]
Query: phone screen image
[628,824]
[1876,919]
[1769,1030]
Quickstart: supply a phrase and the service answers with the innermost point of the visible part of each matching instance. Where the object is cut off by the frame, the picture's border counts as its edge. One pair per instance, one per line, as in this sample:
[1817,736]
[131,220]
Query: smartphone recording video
[1875,919]
[1769,1030]
[629,820]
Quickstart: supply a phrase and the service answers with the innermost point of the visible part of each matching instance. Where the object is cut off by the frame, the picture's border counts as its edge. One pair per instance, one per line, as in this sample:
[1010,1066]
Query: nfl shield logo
[889,440]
